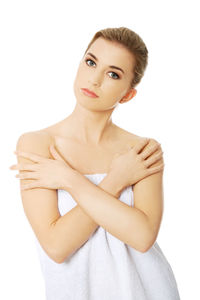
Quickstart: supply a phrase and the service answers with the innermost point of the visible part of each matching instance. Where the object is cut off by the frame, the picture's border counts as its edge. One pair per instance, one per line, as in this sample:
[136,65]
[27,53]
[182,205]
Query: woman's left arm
[128,224]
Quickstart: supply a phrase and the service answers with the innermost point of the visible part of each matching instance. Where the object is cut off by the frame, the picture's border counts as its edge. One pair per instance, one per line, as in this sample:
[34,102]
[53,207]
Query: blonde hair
[132,42]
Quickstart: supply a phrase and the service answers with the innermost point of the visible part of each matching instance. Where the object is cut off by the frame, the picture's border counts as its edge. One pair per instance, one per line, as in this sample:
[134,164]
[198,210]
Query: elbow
[150,239]
[58,260]
[53,253]
[55,256]
[146,249]
[149,244]
[53,250]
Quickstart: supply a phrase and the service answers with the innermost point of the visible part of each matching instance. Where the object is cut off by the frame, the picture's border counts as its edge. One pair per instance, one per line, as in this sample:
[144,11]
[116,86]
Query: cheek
[115,89]
[79,80]
[83,75]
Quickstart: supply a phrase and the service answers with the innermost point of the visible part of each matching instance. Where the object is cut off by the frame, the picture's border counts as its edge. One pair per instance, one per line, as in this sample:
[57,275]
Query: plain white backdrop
[42,43]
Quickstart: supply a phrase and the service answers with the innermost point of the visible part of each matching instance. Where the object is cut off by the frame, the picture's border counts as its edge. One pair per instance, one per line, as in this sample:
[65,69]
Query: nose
[93,83]
[95,79]
[96,84]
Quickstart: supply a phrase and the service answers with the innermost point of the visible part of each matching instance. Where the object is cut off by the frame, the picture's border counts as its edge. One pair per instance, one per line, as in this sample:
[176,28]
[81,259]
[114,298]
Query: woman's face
[110,84]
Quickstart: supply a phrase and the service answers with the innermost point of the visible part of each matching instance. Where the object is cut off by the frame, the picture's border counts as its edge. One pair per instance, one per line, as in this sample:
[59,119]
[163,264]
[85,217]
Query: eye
[115,74]
[86,60]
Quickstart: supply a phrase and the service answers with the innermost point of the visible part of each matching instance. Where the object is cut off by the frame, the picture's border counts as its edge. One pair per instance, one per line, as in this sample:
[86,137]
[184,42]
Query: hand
[131,166]
[47,173]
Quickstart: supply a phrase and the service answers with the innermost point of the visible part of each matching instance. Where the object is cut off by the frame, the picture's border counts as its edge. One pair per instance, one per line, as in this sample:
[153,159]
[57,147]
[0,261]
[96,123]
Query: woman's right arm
[59,236]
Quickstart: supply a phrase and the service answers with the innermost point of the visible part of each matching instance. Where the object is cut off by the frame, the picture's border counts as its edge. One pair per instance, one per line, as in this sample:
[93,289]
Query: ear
[129,95]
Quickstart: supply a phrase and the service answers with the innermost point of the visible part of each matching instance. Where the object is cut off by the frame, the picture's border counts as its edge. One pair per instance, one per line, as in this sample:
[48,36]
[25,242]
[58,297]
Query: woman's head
[110,48]
[132,42]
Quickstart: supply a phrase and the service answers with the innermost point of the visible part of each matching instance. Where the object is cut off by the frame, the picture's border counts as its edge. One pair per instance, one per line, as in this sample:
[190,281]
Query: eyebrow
[113,67]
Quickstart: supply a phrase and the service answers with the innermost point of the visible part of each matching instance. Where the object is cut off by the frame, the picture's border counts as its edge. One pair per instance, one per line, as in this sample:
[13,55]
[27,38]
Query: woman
[92,191]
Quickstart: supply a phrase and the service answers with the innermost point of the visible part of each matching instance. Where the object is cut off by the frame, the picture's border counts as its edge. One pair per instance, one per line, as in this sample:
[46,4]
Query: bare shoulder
[35,141]
[132,139]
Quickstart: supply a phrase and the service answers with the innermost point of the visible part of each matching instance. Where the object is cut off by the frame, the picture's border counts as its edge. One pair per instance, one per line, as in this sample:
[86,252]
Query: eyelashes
[86,60]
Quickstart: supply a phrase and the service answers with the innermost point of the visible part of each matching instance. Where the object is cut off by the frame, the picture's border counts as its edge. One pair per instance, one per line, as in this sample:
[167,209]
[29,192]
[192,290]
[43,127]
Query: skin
[88,140]
[88,132]
[91,119]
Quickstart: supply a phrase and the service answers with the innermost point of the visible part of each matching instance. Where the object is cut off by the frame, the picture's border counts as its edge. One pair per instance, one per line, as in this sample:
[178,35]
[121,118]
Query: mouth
[89,93]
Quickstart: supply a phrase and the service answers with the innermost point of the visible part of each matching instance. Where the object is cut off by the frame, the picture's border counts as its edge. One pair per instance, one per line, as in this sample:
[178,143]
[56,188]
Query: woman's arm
[136,226]
[128,224]
[58,235]
[73,229]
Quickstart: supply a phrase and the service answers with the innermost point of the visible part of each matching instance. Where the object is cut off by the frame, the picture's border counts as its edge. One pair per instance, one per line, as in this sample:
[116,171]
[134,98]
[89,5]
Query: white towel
[105,268]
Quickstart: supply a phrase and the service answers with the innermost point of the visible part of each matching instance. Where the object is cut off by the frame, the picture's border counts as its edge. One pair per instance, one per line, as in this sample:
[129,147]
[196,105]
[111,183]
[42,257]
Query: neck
[91,127]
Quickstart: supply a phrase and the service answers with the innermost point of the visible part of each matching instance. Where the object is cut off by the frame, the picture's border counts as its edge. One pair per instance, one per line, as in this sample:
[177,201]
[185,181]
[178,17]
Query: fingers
[138,147]
[24,167]
[31,156]
[147,152]
[27,175]
[152,159]
[31,185]
[156,169]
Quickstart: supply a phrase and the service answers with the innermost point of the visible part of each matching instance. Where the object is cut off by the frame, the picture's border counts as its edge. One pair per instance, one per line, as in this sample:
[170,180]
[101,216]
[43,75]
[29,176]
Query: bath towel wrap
[105,268]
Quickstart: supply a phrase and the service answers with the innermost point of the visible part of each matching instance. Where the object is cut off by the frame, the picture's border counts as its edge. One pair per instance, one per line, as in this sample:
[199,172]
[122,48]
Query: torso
[87,159]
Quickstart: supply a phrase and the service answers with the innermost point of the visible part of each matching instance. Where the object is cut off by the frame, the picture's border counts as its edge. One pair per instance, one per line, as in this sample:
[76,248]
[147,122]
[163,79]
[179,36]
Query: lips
[89,93]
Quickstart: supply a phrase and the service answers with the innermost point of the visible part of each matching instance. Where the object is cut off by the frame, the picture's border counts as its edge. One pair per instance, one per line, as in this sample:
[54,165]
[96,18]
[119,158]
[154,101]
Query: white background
[42,43]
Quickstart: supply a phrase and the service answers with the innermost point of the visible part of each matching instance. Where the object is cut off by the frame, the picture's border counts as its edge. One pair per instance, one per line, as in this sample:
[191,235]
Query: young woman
[92,191]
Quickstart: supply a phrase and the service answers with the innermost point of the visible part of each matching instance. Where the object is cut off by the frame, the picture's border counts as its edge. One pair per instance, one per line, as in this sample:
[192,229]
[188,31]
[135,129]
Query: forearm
[74,228]
[128,224]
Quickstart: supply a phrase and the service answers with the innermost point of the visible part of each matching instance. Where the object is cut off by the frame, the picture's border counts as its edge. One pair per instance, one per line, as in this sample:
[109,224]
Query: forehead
[111,52]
